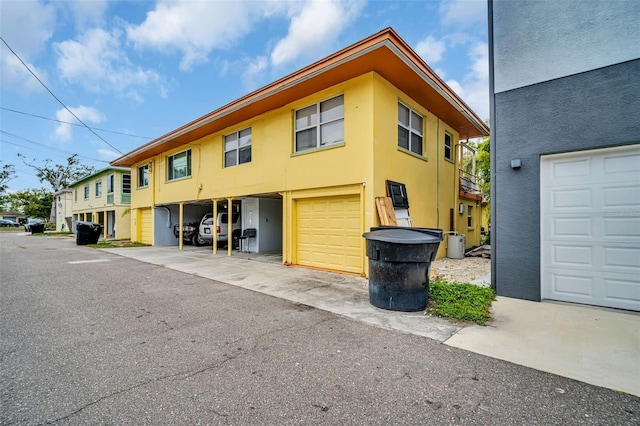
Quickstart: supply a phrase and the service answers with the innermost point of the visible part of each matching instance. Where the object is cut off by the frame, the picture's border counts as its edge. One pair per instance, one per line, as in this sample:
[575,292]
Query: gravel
[460,270]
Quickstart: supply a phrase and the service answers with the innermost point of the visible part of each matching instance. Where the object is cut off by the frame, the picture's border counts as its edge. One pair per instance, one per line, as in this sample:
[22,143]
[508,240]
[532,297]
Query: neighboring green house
[104,197]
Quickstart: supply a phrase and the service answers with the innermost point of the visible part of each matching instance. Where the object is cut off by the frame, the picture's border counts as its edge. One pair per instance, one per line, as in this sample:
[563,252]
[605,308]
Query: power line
[43,145]
[73,124]
[56,98]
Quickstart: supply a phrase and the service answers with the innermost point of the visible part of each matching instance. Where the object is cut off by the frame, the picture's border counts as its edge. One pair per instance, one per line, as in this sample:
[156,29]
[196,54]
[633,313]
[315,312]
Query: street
[89,337]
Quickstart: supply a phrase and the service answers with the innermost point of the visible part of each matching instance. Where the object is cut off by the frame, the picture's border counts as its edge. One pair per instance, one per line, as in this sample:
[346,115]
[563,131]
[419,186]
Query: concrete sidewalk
[592,345]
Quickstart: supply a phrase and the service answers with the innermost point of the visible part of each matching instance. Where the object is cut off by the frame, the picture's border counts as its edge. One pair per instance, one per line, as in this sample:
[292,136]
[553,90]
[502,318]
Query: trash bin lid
[400,236]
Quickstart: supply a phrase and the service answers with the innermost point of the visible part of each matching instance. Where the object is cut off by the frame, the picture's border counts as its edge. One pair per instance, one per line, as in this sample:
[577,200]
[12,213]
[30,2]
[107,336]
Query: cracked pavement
[125,342]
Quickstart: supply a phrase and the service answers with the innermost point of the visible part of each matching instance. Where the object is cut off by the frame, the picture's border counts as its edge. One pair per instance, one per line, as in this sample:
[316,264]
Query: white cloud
[87,13]
[464,13]
[252,70]
[107,154]
[431,50]
[196,28]
[315,28]
[97,61]
[26,26]
[474,88]
[84,113]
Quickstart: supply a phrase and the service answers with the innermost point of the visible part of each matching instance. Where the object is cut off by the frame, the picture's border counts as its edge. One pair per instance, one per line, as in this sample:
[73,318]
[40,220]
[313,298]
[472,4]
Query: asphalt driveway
[89,337]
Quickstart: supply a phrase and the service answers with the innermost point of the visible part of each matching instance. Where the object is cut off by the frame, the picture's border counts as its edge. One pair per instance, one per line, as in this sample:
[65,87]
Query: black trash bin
[399,260]
[36,228]
[87,233]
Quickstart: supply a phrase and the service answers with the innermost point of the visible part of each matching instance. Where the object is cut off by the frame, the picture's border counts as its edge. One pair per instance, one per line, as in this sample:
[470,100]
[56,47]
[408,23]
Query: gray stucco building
[565,133]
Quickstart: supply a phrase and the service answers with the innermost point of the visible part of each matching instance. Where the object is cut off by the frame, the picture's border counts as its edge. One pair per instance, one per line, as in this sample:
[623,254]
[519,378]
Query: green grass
[117,244]
[460,301]
[55,234]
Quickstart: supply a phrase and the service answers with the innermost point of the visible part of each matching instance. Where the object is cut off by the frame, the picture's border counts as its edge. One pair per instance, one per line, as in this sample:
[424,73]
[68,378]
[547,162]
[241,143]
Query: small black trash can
[36,228]
[87,233]
[399,260]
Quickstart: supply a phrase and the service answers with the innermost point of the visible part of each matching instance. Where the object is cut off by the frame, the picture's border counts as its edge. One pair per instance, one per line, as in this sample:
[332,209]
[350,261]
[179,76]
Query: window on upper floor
[448,146]
[75,195]
[237,148]
[179,165]
[110,183]
[86,192]
[143,176]
[126,183]
[98,188]
[320,124]
[410,129]
[469,216]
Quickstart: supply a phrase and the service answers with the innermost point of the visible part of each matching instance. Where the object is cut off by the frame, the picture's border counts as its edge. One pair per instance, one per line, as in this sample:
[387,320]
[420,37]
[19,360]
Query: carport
[260,212]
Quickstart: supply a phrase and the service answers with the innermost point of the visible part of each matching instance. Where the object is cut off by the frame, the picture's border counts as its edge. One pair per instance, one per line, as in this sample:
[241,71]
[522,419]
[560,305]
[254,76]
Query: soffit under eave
[381,60]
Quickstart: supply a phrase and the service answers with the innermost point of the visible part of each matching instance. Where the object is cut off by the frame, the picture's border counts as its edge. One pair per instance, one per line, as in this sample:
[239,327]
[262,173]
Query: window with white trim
[98,188]
[237,148]
[86,192]
[448,146]
[320,125]
[179,165]
[469,216]
[143,176]
[410,129]
[110,183]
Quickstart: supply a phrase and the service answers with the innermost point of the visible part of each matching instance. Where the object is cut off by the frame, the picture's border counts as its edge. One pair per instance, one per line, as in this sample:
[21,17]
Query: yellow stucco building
[302,159]
[104,197]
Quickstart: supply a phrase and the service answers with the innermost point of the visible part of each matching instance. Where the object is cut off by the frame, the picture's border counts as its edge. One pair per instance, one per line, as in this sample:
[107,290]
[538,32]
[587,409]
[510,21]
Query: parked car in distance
[201,233]
[9,223]
[27,225]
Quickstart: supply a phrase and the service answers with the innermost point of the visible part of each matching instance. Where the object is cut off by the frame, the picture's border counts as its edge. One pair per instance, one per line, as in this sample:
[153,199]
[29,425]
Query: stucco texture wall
[591,110]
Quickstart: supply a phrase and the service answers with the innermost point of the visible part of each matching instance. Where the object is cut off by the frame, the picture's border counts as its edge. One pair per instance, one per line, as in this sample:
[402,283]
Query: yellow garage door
[329,234]
[145,224]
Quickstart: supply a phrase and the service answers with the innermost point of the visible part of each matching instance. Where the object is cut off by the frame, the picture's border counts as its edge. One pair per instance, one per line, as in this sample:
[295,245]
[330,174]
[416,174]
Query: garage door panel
[622,196]
[590,227]
[622,291]
[328,234]
[146,226]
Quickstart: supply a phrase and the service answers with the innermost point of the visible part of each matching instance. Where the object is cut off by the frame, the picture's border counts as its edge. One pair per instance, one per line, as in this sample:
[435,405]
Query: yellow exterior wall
[431,181]
[471,233]
[273,167]
[98,206]
[368,157]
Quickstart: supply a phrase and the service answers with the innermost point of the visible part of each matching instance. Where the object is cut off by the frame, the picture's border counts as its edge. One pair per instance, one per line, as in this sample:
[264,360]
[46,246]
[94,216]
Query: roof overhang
[384,53]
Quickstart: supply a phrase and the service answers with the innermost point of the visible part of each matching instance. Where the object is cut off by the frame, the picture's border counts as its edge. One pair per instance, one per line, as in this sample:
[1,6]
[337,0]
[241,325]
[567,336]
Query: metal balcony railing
[469,183]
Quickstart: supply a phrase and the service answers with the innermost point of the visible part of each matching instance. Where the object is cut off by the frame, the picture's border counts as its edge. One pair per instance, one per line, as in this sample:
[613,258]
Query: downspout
[438,175]
[492,154]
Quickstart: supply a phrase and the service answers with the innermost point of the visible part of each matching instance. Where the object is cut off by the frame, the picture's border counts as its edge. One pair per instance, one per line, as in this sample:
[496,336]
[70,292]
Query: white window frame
[171,171]
[86,191]
[448,146]
[98,188]
[111,183]
[411,130]
[318,125]
[144,169]
[470,217]
[238,147]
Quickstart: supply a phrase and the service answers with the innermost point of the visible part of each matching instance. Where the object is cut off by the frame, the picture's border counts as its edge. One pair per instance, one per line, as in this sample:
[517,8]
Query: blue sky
[135,70]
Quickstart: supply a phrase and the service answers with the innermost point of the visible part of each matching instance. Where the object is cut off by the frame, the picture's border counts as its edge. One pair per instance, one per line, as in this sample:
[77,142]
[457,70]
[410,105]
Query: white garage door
[590,227]
[329,234]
